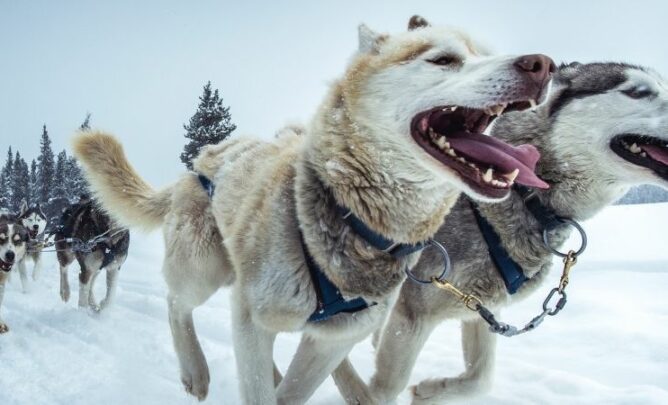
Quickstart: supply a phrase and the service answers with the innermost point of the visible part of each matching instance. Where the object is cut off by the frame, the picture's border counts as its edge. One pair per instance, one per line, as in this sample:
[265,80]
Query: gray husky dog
[334,213]
[33,219]
[13,242]
[603,129]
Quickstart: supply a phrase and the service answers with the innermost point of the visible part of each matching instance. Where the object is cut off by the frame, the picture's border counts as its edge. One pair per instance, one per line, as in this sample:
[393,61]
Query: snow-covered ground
[610,344]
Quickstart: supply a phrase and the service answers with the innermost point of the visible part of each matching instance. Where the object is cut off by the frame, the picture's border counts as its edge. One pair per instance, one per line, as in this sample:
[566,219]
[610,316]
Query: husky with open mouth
[13,241]
[603,129]
[338,212]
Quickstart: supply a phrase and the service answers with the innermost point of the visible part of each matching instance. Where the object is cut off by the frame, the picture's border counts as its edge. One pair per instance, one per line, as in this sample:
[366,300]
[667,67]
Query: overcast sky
[139,66]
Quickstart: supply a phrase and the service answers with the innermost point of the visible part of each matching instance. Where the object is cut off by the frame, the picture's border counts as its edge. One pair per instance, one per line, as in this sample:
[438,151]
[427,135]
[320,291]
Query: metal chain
[475,304]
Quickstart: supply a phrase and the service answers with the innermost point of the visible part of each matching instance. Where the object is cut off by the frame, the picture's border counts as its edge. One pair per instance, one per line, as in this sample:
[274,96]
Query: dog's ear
[417,21]
[369,40]
[39,209]
[23,207]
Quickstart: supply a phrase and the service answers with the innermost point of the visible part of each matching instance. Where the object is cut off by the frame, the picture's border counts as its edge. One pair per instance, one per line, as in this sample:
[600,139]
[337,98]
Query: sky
[139,67]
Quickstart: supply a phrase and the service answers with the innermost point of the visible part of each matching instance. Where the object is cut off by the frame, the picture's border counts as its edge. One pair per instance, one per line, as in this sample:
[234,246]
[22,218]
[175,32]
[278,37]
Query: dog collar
[375,239]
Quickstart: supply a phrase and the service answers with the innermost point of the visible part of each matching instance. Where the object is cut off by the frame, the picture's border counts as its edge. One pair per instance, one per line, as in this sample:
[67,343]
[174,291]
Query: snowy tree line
[644,195]
[47,180]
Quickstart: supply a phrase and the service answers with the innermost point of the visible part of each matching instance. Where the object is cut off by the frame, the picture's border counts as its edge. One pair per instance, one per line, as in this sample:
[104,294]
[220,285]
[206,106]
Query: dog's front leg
[253,349]
[37,269]
[314,360]
[64,283]
[3,326]
[400,343]
[23,272]
[85,282]
[479,346]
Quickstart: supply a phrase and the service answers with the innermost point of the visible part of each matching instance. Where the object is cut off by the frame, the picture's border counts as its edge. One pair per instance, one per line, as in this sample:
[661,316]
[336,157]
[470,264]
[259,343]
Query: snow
[607,346]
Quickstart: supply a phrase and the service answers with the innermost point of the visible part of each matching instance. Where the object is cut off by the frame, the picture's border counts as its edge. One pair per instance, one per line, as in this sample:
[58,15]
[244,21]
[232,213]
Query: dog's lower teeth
[441,142]
[533,104]
[451,152]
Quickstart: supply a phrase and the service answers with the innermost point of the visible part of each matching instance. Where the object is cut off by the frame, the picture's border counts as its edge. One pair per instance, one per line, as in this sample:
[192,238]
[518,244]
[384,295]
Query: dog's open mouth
[5,266]
[33,234]
[645,151]
[454,136]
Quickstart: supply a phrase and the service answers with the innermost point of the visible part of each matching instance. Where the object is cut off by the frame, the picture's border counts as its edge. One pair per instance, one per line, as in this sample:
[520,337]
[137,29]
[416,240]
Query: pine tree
[20,183]
[45,168]
[60,176]
[6,180]
[76,182]
[210,125]
[34,193]
[85,126]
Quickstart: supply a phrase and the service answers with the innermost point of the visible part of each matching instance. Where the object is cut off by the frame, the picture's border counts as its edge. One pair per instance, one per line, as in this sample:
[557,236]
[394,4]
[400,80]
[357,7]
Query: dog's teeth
[461,159]
[635,148]
[487,177]
[441,142]
[472,165]
[497,109]
[532,102]
[643,154]
[512,175]
[451,152]
[453,108]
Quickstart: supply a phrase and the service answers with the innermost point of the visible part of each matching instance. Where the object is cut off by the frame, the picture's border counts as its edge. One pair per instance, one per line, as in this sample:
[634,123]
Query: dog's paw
[65,294]
[3,328]
[428,392]
[196,383]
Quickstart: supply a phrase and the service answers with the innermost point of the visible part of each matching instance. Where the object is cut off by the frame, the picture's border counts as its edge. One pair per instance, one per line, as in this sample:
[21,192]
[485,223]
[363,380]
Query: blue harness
[330,299]
[511,272]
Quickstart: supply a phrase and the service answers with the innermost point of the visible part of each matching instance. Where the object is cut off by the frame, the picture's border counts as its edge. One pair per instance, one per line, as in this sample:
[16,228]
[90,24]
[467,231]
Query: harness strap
[207,184]
[330,300]
[375,239]
[547,218]
[511,272]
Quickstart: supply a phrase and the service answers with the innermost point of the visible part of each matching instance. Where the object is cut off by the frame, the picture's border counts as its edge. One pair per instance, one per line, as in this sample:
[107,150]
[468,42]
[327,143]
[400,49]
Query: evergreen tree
[210,125]
[34,199]
[45,168]
[60,177]
[20,183]
[85,126]
[6,180]
[76,182]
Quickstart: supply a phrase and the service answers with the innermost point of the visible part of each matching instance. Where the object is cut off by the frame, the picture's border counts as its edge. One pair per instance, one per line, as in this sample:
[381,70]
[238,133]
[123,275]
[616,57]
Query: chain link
[474,303]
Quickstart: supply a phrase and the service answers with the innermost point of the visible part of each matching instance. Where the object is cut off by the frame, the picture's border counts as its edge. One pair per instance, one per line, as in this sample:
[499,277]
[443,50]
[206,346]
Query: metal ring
[446,265]
[574,224]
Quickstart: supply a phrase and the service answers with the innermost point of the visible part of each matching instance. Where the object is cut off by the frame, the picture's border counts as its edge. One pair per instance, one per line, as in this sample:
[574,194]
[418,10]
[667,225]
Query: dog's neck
[364,177]
[577,191]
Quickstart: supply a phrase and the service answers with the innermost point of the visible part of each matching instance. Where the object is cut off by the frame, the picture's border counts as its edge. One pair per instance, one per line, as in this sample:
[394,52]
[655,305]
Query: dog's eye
[638,92]
[444,60]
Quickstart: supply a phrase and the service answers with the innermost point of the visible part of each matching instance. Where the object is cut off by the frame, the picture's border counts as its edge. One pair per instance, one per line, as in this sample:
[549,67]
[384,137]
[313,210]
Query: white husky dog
[315,231]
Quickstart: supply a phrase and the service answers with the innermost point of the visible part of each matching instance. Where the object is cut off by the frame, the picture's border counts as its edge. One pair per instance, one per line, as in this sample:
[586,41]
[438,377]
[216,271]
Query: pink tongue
[504,157]
[656,152]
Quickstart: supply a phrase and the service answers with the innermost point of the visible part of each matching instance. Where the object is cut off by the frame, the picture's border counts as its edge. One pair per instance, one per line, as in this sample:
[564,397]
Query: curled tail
[115,183]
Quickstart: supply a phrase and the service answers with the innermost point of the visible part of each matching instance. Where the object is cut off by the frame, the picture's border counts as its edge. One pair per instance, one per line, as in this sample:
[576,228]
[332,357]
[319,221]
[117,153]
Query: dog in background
[13,243]
[87,234]
[35,222]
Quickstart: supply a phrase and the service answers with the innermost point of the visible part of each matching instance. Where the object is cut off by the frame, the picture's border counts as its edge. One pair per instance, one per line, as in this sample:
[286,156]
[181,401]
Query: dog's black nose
[35,227]
[9,256]
[537,67]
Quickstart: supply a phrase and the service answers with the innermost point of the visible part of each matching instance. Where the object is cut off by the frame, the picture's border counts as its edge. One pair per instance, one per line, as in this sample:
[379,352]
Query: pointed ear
[416,22]
[23,207]
[369,40]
